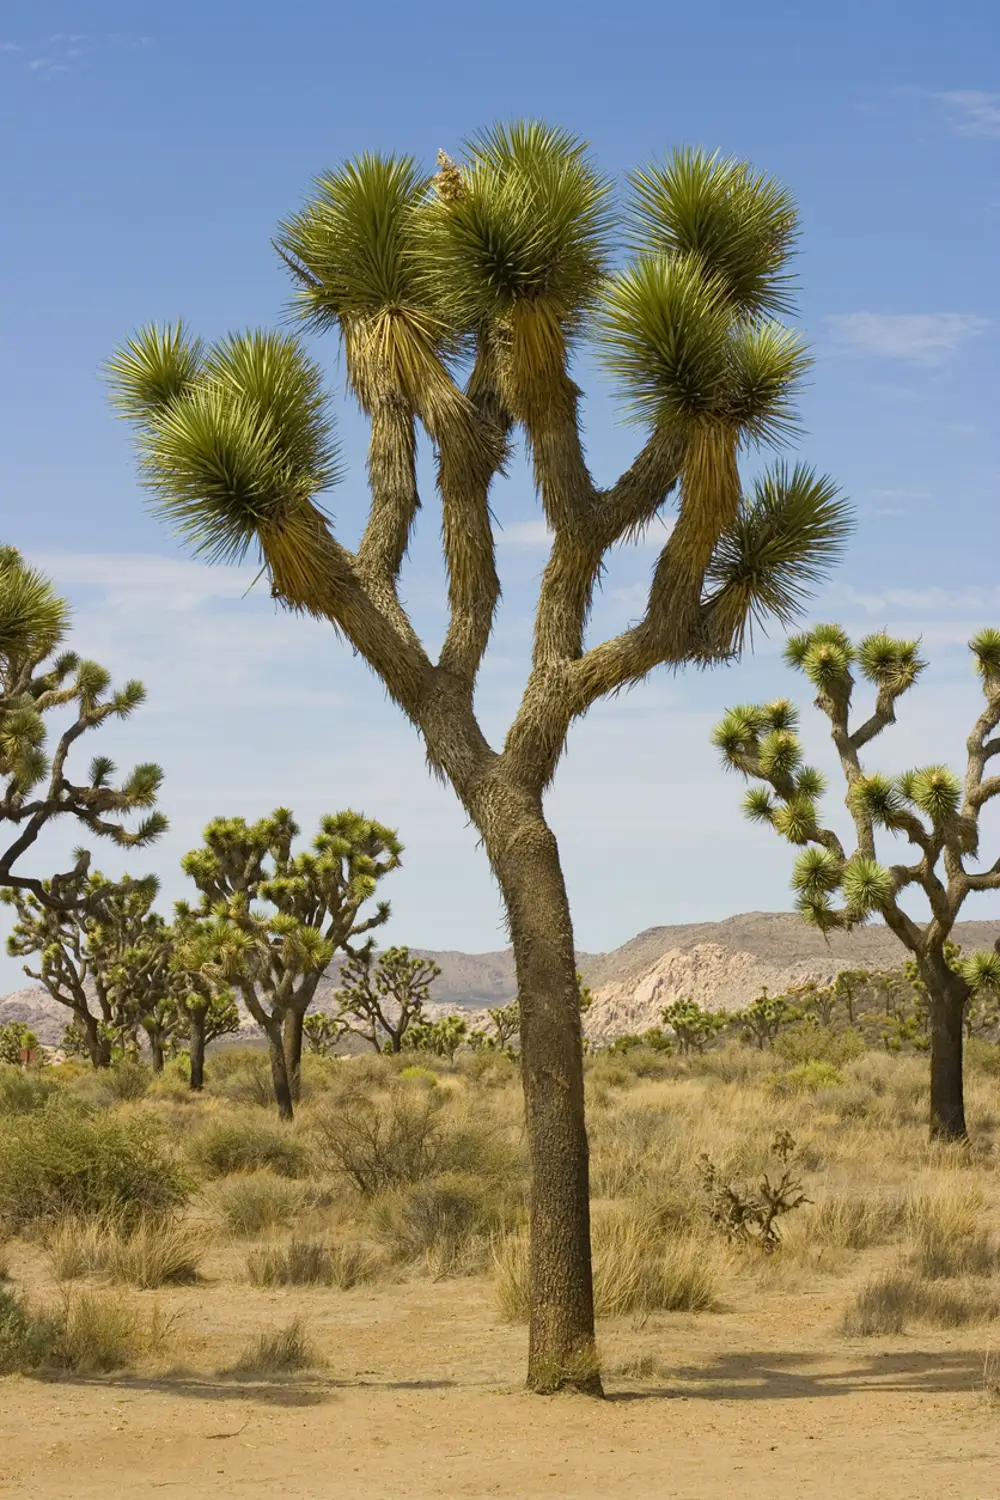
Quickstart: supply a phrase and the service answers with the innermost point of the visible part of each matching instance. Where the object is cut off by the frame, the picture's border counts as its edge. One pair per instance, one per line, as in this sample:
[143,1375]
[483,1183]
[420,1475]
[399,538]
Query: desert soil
[419,1397]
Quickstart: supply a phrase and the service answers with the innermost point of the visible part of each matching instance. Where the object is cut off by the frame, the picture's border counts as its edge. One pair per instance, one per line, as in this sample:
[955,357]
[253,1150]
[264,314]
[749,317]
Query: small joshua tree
[460,301]
[382,996]
[930,806]
[275,955]
[765,1018]
[35,789]
[693,1027]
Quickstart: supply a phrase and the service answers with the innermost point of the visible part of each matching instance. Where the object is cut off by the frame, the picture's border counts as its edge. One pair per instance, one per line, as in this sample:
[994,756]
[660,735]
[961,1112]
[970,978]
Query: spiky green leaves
[155,368]
[739,224]
[788,534]
[893,664]
[817,872]
[935,790]
[867,885]
[527,233]
[981,972]
[795,819]
[33,618]
[878,799]
[985,647]
[242,448]
[759,805]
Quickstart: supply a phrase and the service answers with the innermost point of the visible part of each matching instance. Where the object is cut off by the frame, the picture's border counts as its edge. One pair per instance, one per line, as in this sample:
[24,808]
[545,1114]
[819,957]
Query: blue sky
[149,151]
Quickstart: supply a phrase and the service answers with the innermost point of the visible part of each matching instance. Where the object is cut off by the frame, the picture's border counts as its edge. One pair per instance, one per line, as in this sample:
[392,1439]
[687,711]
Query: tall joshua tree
[277,956]
[459,301]
[935,810]
[35,789]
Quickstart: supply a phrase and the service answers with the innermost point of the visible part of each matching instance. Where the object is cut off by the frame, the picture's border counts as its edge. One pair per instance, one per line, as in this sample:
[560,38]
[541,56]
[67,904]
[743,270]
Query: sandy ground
[419,1397]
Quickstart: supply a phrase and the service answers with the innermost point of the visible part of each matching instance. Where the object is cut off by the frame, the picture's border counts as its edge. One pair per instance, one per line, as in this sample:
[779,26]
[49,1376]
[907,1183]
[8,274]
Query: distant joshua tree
[934,809]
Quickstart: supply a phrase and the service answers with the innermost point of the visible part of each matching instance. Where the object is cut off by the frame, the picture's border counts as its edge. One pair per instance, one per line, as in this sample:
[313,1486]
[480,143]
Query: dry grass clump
[89,1334]
[948,1236]
[249,1205]
[284,1352]
[856,1221]
[246,1143]
[891,1300]
[313,1263]
[145,1254]
[447,1222]
[636,1270]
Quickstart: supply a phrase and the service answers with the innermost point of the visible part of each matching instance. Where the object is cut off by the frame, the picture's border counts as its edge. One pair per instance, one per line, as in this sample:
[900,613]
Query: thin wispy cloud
[973,112]
[536,534]
[67,51]
[918,338]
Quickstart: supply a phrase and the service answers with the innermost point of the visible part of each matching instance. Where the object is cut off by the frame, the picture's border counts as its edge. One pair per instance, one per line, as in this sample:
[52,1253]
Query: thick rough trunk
[562,1350]
[292,1045]
[946,995]
[98,1047]
[279,1072]
[156,1052]
[197,1051]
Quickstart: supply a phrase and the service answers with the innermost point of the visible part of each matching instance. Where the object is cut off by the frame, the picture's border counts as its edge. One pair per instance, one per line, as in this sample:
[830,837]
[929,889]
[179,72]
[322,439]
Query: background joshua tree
[382,996]
[35,786]
[276,956]
[89,946]
[206,1005]
[459,302]
[930,806]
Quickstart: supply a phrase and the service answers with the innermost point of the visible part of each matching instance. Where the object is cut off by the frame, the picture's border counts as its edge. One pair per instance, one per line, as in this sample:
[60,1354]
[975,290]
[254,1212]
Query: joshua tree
[321,1032]
[693,1027]
[459,301]
[313,908]
[131,948]
[83,940]
[382,996]
[205,1003]
[35,786]
[936,811]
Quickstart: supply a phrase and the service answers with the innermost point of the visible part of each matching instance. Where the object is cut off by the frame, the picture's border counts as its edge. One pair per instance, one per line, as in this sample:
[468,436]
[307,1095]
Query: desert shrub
[146,1254]
[873,1071]
[633,1151]
[251,1204]
[487,1068]
[750,1213]
[609,1072]
[379,1144]
[27,1337]
[732,1064]
[281,1353]
[62,1162]
[126,1081]
[415,1073]
[242,1075]
[446,1221]
[21,1092]
[247,1143]
[805,1078]
[890,1301]
[851,1101]
[88,1334]
[856,1221]
[636,1270]
[354,1264]
[806,1042]
[948,1237]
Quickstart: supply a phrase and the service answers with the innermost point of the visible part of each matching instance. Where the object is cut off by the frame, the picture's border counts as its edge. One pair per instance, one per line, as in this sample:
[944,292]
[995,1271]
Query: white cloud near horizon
[249,707]
[920,338]
[973,112]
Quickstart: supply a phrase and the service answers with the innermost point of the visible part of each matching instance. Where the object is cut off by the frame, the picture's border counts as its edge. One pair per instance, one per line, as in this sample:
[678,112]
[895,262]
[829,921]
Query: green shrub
[21,1092]
[248,1144]
[126,1081]
[379,1144]
[27,1337]
[414,1073]
[252,1204]
[63,1162]
[807,1042]
[806,1078]
[89,1334]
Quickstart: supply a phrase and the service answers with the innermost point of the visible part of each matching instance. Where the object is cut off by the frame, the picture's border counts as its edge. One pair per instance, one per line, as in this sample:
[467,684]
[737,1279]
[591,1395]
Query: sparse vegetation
[285,1352]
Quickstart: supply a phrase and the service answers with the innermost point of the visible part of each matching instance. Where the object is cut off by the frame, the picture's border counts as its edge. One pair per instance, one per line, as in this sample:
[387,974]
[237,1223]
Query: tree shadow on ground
[294,1391]
[767,1376]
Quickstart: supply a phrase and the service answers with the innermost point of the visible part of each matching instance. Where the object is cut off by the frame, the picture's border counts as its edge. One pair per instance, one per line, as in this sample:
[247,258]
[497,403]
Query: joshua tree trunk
[292,1031]
[98,1047]
[562,1351]
[947,994]
[156,1051]
[197,1050]
[279,1072]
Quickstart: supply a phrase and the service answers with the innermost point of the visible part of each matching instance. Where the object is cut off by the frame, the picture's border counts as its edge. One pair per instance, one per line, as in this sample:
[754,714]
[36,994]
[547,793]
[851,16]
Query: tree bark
[197,1050]
[279,1072]
[562,1352]
[98,1047]
[947,994]
[292,1045]
[156,1051]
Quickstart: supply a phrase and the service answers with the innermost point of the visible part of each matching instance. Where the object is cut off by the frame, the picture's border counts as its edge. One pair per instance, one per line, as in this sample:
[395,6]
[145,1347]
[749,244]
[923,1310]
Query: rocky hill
[722,964]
